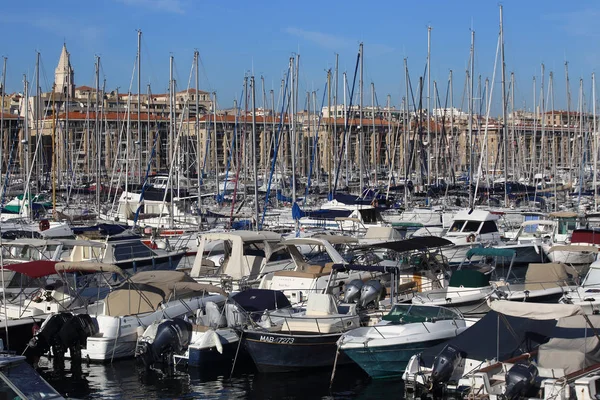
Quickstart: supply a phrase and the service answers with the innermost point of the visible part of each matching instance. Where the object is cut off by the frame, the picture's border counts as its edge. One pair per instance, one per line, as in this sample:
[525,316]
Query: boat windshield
[405,313]
[24,379]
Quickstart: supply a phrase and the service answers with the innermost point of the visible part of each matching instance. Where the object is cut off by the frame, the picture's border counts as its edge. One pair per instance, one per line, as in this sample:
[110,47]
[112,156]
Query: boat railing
[341,318]
[543,285]
[462,293]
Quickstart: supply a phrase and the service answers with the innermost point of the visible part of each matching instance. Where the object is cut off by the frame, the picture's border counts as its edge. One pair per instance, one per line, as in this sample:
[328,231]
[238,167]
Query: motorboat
[383,350]
[136,303]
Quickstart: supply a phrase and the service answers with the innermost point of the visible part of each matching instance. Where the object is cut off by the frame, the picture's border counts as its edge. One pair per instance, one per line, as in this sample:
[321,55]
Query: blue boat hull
[202,358]
[275,352]
[387,361]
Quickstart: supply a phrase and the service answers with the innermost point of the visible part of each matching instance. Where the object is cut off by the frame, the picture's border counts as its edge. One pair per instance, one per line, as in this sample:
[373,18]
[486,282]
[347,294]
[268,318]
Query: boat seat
[314,269]
[331,324]
[200,328]
[297,274]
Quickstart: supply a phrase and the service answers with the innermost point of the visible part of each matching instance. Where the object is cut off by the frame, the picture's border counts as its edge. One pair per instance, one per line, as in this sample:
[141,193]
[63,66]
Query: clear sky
[236,37]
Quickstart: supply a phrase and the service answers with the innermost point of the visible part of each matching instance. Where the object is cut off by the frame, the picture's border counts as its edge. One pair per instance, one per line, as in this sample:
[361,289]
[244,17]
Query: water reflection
[128,379]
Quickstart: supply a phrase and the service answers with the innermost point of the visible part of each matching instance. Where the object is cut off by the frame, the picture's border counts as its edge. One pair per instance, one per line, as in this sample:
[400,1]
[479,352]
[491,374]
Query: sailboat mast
[197,126]
[428,105]
[568,93]
[504,117]
[254,166]
[25,141]
[360,123]
[471,99]
[406,141]
[2,123]
[139,104]
[98,135]
[595,141]
[215,155]
[335,112]
[293,130]
[37,113]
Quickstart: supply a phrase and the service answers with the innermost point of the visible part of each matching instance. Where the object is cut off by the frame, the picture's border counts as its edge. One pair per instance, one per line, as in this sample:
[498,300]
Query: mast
[360,124]
[98,135]
[196,127]
[328,148]
[293,130]
[335,107]
[428,105]
[504,118]
[595,141]
[215,155]
[54,156]
[25,141]
[374,135]
[568,93]
[2,125]
[471,95]
[406,141]
[254,167]
[139,104]
[36,115]
[452,137]
[346,124]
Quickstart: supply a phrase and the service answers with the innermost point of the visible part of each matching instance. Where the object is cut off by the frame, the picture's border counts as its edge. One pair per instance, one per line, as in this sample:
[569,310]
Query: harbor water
[129,380]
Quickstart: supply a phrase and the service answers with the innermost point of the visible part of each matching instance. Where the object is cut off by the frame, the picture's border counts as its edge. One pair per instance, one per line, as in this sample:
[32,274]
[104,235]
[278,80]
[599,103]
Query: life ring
[471,238]
[44,225]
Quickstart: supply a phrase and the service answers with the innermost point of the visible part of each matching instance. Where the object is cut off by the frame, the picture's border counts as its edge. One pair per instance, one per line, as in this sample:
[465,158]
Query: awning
[34,269]
[414,243]
[490,252]
[83,266]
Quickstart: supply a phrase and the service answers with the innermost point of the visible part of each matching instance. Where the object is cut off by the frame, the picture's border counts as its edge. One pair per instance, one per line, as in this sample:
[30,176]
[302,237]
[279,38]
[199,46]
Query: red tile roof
[111,115]
[84,88]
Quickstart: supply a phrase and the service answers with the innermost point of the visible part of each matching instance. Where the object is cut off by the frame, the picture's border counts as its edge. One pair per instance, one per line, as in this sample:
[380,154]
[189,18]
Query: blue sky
[235,37]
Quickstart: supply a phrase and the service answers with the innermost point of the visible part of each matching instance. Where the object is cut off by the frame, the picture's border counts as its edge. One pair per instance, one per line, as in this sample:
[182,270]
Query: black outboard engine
[445,364]
[370,293]
[61,332]
[520,380]
[352,291]
[173,336]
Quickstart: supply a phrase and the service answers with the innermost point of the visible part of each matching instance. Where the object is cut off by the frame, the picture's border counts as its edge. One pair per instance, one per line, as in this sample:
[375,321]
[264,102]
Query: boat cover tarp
[351,199]
[490,252]
[591,236]
[252,300]
[535,310]
[545,276]
[414,243]
[368,268]
[469,278]
[34,269]
[496,336]
[576,248]
[297,213]
[107,229]
[146,290]
[573,345]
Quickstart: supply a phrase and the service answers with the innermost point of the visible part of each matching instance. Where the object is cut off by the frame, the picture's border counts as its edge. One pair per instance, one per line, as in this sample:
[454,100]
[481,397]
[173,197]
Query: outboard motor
[520,380]
[445,365]
[173,336]
[370,293]
[61,332]
[353,291]
[47,336]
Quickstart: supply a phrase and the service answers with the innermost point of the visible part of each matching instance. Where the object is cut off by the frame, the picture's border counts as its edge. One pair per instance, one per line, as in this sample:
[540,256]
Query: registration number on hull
[273,339]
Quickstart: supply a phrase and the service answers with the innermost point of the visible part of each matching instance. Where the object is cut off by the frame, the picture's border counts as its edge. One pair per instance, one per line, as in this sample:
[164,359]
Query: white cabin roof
[475,215]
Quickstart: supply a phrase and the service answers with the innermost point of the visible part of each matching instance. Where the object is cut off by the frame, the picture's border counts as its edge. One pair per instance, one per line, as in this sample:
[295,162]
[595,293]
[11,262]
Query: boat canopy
[88,266]
[539,311]
[34,269]
[497,336]
[252,300]
[533,222]
[545,276]
[490,252]
[573,345]
[146,290]
[414,243]
[576,248]
[563,214]
[469,278]
[367,268]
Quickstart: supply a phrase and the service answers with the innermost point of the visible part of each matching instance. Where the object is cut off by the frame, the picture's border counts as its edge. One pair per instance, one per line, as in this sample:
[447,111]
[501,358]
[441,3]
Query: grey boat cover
[497,336]
[574,344]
